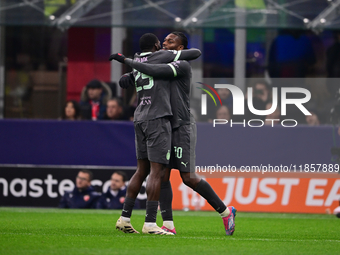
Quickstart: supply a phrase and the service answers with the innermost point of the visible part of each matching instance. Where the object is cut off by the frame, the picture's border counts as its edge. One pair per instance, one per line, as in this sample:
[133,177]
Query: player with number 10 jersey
[153,96]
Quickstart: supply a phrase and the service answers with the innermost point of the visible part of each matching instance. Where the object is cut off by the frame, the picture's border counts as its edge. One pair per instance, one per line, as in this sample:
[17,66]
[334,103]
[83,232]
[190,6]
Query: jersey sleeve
[167,56]
[180,68]
[164,71]
[189,54]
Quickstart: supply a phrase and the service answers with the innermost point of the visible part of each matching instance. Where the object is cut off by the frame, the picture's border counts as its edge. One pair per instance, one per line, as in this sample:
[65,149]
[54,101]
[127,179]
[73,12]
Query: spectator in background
[71,111]
[274,118]
[93,100]
[115,196]
[262,95]
[226,97]
[227,100]
[313,120]
[83,195]
[115,110]
[223,113]
[263,92]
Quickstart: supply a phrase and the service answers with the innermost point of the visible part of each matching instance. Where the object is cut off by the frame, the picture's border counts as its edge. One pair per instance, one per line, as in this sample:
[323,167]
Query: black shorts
[153,140]
[183,145]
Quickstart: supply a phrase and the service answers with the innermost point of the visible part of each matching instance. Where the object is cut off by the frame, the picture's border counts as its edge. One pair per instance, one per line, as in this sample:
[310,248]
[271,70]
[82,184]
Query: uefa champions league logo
[238,104]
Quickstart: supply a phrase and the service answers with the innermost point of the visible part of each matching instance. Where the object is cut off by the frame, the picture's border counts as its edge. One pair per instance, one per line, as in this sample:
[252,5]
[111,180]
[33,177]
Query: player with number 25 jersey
[153,94]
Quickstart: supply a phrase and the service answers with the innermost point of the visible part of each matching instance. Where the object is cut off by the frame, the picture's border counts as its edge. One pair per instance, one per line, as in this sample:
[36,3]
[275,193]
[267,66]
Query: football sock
[165,201]
[129,203]
[125,219]
[150,224]
[204,189]
[169,224]
[151,211]
[225,213]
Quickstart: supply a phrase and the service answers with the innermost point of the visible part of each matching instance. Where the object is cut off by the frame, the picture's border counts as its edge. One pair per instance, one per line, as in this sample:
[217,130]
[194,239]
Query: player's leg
[205,190]
[135,184]
[153,188]
[201,186]
[143,169]
[165,202]
[158,147]
[178,160]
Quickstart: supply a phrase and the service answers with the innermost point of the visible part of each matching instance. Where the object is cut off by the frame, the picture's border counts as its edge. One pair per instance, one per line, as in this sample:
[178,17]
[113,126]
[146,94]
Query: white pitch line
[245,239]
[188,237]
[261,239]
[176,213]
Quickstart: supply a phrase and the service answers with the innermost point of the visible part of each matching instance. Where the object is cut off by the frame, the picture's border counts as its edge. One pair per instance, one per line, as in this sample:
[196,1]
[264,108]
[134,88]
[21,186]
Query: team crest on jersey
[86,198]
[175,63]
[174,51]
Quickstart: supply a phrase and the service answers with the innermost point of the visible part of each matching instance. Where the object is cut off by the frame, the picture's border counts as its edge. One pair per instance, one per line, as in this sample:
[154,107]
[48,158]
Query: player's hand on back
[118,57]
[126,81]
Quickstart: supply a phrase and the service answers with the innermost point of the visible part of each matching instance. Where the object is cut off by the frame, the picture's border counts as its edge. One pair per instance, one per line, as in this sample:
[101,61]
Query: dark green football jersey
[179,93]
[151,86]
[153,93]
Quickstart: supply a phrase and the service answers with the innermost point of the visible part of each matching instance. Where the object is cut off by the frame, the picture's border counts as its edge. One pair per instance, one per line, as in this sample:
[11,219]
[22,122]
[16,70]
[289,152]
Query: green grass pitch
[54,231]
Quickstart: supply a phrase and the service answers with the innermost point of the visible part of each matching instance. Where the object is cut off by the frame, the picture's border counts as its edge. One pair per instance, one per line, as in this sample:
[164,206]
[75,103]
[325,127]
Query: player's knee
[190,181]
[166,175]
[187,180]
[139,176]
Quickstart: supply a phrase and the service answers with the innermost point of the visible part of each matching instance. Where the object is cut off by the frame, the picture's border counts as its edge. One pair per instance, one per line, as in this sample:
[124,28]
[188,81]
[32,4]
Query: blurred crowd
[97,103]
[292,55]
[84,196]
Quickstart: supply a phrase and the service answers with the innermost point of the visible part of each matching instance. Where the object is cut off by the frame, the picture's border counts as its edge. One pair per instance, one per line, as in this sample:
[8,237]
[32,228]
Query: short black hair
[94,84]
[183,38]
[121,173]
[87,172]
[147,41]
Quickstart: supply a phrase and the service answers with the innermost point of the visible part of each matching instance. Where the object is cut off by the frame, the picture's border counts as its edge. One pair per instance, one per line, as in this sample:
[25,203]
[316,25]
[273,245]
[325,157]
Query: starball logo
[239,99]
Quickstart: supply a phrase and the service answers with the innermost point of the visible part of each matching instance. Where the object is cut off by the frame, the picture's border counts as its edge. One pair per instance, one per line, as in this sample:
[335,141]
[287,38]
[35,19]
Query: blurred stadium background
[50,49]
